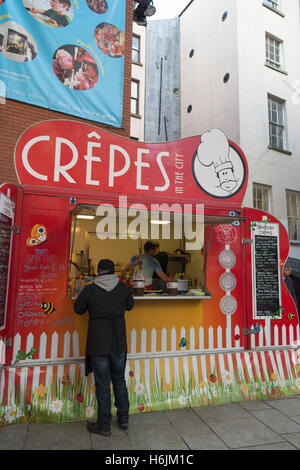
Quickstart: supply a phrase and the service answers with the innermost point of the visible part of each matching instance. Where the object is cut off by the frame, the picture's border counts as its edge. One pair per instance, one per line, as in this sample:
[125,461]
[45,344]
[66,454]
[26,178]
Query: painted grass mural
[73,398]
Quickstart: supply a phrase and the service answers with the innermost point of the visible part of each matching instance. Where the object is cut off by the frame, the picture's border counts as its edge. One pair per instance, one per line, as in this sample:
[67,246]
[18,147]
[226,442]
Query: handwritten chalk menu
[6,218]
[266,271]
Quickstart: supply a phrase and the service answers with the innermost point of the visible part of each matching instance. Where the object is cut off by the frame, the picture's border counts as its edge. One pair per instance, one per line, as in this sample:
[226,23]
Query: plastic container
[172,287]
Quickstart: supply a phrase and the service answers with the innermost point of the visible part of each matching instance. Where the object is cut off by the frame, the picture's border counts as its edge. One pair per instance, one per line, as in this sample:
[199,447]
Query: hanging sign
[73,155]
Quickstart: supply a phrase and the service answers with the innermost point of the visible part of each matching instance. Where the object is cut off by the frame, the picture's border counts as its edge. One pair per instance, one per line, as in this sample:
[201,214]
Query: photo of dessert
[75,67]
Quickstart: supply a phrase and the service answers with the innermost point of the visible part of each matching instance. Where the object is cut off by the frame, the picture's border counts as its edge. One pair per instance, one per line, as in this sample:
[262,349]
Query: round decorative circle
[226,77]
[189,109]
[228,305]
[227,259]
[227,281]
[191,53]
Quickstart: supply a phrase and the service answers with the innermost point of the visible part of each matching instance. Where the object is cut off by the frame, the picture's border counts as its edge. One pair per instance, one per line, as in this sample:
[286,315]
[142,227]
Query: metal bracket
[247,241]
[250,332]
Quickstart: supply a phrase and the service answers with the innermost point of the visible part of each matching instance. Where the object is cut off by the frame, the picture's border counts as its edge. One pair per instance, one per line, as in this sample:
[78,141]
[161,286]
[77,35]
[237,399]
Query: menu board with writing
[266,272]
[5,237]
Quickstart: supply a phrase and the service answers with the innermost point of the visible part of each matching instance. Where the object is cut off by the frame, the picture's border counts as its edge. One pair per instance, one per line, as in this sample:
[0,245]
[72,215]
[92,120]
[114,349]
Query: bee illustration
[257,328]
[48,307]
[291,316]
[38,235]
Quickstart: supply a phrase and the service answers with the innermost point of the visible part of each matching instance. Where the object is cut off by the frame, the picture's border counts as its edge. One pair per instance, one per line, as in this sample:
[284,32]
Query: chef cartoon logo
[38,235]
[217,166]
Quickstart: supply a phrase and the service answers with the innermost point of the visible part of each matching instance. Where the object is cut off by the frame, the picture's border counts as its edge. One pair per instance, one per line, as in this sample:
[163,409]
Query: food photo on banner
[65,55]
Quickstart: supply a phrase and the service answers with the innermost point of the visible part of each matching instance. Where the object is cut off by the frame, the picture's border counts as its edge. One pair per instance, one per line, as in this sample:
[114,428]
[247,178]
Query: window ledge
[273,9]
[138,116]
[275,68]
[287,152]
[137,63]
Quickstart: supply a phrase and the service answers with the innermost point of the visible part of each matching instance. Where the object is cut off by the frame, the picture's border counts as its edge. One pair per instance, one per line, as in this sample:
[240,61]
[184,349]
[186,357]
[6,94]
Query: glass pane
[136,43]
[134,89]
[133,108]
[135,56]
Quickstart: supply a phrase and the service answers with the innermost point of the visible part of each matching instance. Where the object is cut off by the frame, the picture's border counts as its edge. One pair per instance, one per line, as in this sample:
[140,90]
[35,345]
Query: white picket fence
[166,354]
[209,341]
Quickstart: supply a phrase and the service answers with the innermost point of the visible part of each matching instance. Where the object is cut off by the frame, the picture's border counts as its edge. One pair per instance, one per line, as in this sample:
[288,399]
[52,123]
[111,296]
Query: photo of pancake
[110,40]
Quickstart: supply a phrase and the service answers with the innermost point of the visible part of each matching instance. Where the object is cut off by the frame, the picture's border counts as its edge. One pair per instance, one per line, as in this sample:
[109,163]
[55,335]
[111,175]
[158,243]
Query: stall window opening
[112,235]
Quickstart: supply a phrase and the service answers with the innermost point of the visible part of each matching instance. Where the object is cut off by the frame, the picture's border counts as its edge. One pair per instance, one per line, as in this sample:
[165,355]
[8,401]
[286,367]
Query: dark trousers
[108,369]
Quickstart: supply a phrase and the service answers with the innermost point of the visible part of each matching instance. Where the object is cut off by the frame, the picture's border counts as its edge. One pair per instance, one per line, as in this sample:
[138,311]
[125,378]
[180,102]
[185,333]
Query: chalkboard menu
[5,236]
[267,292]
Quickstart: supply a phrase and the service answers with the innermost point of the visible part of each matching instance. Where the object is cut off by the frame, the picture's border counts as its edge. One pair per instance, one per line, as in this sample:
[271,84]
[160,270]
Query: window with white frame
[273,4]
[293,214]
[273,51]
[136,47]
[134,97]
[277,131]
[261,197]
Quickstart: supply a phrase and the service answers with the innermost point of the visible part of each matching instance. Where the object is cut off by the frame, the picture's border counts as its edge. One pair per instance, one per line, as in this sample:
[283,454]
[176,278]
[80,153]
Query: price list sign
[5,243]
[266,273]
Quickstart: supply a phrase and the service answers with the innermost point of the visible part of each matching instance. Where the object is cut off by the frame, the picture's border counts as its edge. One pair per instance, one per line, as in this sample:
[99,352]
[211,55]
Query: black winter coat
[107,328]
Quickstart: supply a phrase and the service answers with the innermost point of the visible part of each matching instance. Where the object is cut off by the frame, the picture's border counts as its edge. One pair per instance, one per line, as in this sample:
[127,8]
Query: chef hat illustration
[214,150]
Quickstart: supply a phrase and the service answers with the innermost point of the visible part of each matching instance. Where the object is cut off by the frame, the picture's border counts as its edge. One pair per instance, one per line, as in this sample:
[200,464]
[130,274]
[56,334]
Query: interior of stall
[94,237]
[107,233]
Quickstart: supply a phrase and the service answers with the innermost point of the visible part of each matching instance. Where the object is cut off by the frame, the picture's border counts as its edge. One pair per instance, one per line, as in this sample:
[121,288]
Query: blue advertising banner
[65,55]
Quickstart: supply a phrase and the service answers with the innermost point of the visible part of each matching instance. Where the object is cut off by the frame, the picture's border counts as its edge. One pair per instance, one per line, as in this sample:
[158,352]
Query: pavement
[255,425]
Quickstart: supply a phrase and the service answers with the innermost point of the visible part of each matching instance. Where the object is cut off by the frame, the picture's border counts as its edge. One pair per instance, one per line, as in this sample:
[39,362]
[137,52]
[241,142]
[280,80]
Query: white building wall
[214,103]
[240,107]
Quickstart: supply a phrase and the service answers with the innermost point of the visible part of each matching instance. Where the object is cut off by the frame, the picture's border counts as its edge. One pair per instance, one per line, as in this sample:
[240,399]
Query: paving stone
[219,413]
[12,436]
[205,442]
[288,407]
[187,422]
[118,440]
[296,419]
[243,432]
[277,446]
[293,438]
[64,436]
[149,431]
[275,420]
[254,405]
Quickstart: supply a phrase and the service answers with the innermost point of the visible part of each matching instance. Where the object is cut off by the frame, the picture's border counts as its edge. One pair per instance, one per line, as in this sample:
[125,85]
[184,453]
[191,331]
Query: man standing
[106,300]
[148,264]
[289,281]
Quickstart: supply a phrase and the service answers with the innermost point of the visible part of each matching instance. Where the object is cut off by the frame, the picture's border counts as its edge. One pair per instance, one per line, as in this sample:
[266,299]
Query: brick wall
[16,117]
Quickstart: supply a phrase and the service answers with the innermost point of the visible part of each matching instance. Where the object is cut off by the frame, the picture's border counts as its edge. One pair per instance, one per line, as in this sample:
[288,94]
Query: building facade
[240,72]
[162,105]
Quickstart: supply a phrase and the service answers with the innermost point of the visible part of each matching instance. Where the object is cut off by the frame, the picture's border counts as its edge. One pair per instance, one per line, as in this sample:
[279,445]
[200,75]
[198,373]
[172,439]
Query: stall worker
[106,300]
[146,264]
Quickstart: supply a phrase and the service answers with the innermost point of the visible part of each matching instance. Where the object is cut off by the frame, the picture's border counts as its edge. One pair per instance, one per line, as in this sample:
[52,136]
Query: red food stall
[229,333]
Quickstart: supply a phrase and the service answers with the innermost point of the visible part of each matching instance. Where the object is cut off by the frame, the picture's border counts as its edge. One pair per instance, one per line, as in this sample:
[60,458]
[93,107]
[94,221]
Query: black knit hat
[105,266]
